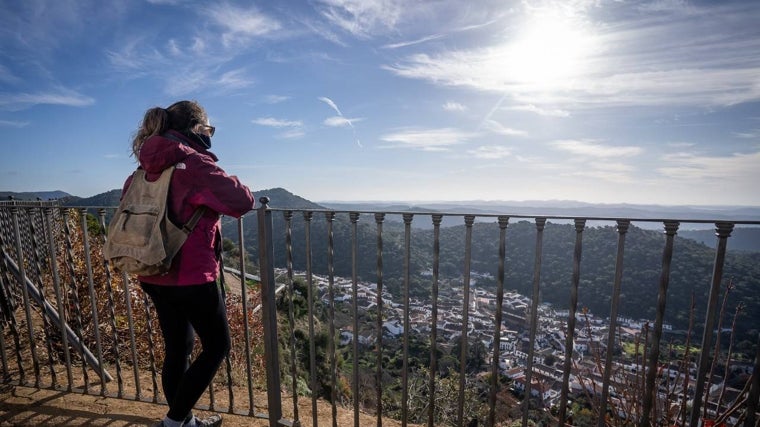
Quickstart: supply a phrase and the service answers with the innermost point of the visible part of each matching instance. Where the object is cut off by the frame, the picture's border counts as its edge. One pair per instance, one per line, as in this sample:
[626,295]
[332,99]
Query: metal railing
[61,301]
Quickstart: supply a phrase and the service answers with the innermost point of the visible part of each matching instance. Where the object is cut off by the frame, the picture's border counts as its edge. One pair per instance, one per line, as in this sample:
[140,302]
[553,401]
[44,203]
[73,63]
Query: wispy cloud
[662,5]
[166,2]
[275,99]
[292,134]
[412,42]
[681,144]
[611,166]
[233,80]
[752,134]
[340,121]
[277,123]
[136,59]
[541,111]
[594,149]
[454,106]
[13,124]
[427,139]
[7,75]
[604,175]
[737,167]
[602,169]
[241,24]
[132,60]
[292,129]
[22,101]
[490,152]
[321,29]
[362,18]
[185,83]
[496,127]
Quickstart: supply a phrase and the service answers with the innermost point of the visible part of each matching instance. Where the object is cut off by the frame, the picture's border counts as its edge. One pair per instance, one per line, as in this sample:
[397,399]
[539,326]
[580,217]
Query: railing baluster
[463,351]
[5,306]
[288,215]
[112,309]
[354,218]
[6,298]
[25,296]
[3,348]
[132,341]
[35,236]
[622,227]
[540,224]
[330,217]
[227,358]
[495,360]
[437,219]
[723,232]
[580,225]
[405,352]
[671,227]
[17,343]
[151,355]
[11,303]
[379,218]
[307,215]
[75,296]
[246,327]
[93,299]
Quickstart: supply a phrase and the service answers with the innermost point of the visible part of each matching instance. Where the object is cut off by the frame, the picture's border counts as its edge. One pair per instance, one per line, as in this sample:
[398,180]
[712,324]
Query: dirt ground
[25,406]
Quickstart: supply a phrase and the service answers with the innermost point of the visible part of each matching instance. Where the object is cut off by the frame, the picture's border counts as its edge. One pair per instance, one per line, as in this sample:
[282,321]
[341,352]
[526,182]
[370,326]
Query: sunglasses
[210,129]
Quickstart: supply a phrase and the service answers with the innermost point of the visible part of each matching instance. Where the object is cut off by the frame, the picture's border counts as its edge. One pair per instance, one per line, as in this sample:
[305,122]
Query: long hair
[180,116]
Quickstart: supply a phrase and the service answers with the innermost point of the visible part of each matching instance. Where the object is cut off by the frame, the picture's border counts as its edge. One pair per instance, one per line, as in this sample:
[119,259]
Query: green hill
[37,195]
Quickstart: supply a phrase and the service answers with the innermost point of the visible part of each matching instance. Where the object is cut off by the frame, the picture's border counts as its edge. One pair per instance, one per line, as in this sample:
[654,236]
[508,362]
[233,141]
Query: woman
[187,299]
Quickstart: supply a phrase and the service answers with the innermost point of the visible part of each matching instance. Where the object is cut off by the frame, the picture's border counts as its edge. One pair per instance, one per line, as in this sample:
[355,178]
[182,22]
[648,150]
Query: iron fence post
[269,312]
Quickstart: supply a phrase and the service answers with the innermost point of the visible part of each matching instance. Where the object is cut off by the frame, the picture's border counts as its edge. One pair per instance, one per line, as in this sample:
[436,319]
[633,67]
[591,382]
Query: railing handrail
[495,215]
[492,214]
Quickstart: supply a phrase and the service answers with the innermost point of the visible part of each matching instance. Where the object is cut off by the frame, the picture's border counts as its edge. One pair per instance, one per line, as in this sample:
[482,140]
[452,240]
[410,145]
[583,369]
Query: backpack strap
[190,224]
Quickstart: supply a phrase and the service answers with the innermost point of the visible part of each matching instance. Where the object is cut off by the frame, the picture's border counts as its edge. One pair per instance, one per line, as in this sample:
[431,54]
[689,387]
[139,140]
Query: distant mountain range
[39,195]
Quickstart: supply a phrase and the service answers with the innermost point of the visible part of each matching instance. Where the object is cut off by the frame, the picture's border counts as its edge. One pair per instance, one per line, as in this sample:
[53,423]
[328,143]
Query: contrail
[332,105]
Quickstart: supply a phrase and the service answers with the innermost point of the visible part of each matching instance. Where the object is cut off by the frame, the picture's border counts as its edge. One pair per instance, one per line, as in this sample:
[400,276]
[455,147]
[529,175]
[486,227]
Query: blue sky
[653,102]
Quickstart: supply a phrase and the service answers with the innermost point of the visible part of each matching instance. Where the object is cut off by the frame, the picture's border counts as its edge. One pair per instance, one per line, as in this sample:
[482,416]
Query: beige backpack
[141,238]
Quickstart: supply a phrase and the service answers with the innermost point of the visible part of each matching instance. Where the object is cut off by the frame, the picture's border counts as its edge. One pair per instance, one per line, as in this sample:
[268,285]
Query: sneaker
[210,421]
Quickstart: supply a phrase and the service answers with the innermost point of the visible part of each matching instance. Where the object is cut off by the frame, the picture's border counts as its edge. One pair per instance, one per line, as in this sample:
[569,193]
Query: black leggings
[182,310]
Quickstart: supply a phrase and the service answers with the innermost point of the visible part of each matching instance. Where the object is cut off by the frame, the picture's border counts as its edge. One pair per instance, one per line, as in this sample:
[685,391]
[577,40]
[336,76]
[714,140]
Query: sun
[549,51]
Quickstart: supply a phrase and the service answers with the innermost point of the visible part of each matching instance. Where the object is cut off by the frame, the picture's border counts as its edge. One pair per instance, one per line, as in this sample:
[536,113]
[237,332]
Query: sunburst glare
[548,51]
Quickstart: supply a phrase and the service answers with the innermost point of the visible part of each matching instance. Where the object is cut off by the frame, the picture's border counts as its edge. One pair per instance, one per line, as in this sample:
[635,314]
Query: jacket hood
[161,151]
